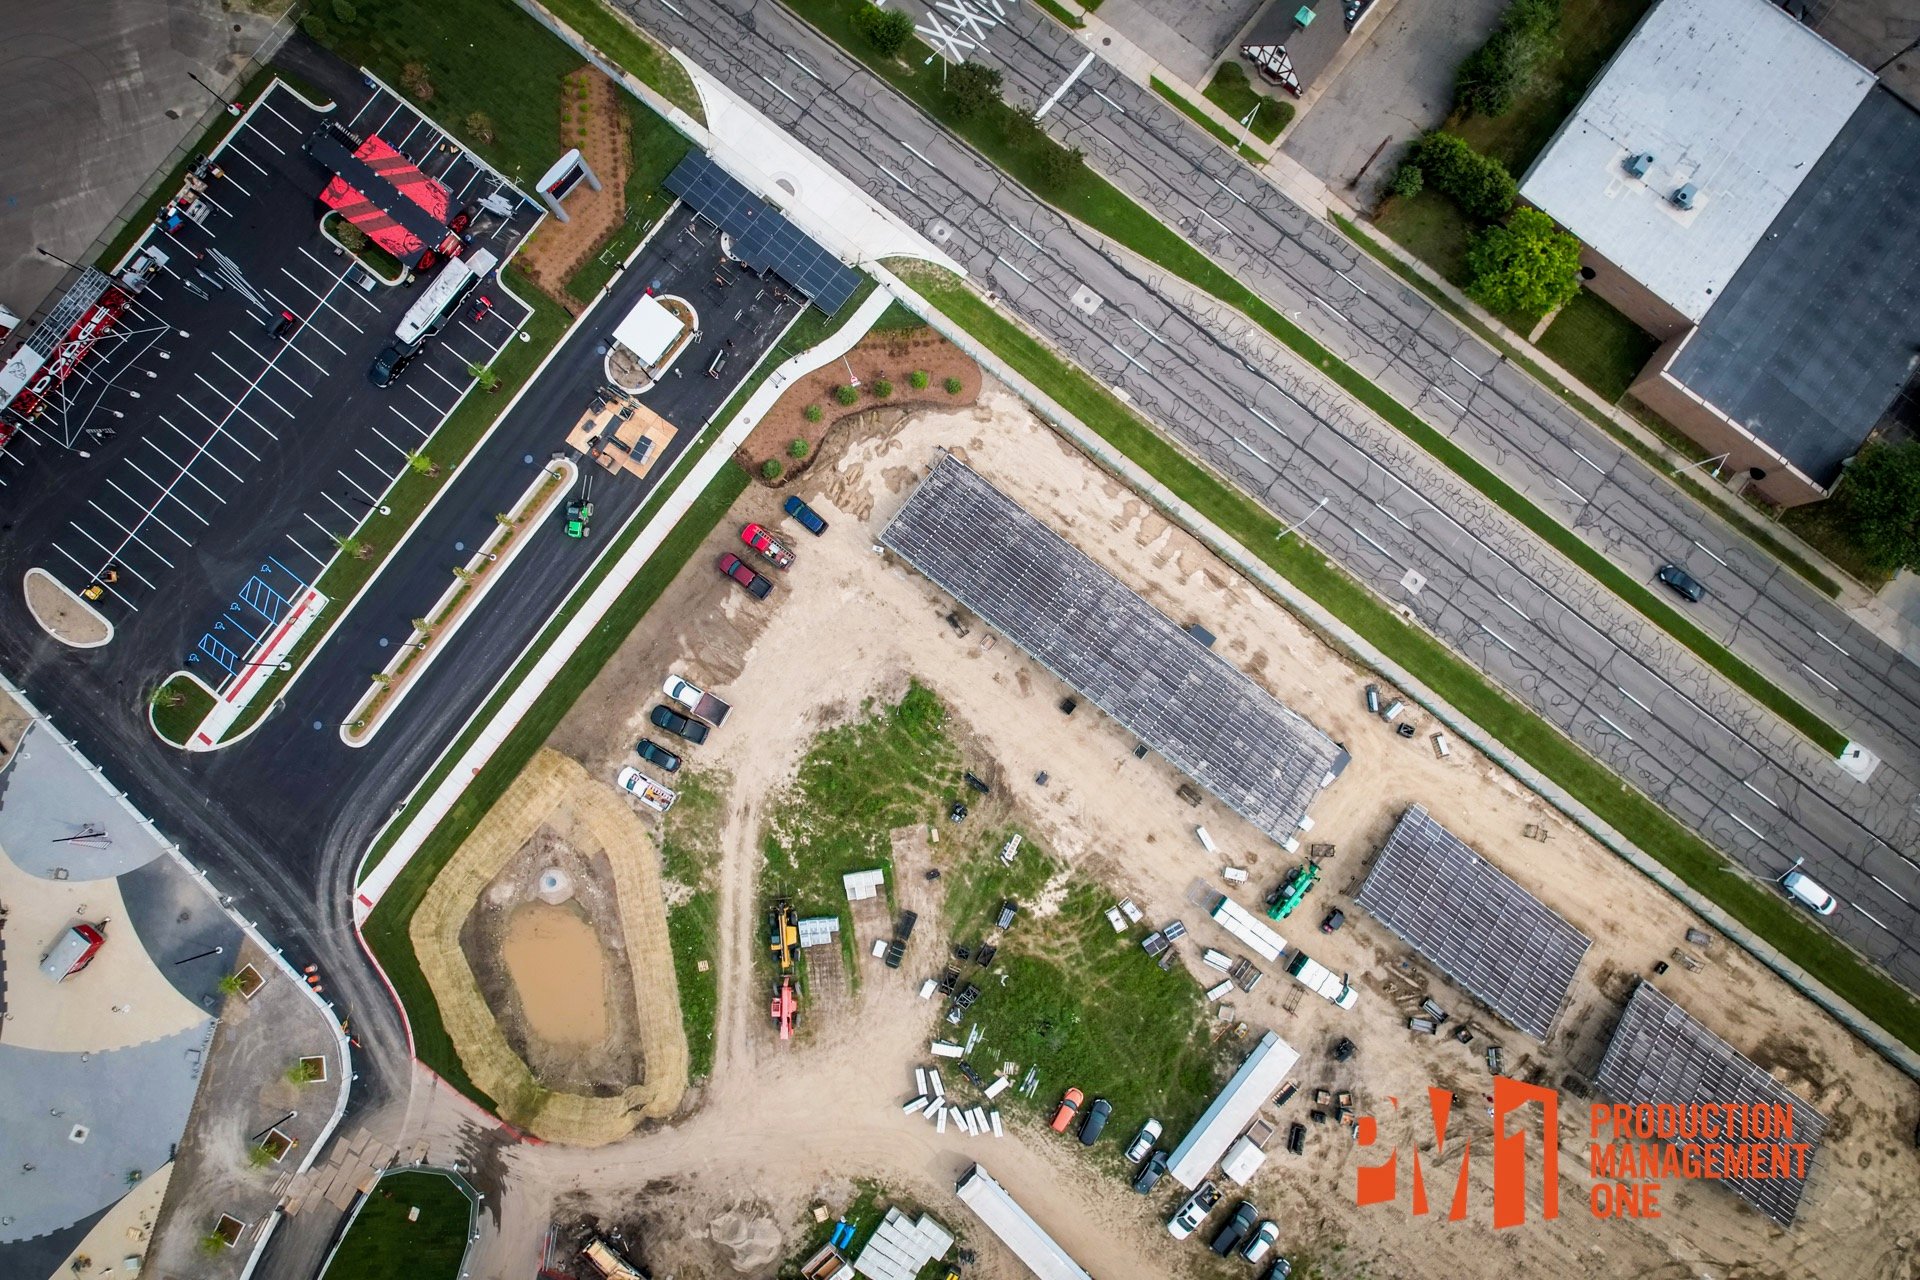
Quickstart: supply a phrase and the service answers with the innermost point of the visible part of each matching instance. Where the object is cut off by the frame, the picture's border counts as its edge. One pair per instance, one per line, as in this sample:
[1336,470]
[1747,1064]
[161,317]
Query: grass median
[625,45]
[414,1226]
[1087,196]
[1205,121]
[386,929]
[1762,912]
[179,706]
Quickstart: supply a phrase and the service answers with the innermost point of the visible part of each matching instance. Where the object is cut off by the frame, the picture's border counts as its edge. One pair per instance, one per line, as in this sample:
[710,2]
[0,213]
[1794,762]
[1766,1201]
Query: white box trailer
[1240,922]
[1015,1228]
[1232,1110]
[1322,981]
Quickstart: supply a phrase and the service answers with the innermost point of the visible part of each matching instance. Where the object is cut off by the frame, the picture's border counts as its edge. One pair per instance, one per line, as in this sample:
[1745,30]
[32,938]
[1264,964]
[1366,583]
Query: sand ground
[779,1128]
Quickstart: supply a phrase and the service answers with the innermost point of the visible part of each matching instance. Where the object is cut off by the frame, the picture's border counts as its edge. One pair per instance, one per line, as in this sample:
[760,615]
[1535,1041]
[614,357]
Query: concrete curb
[1235,554]
[370,890]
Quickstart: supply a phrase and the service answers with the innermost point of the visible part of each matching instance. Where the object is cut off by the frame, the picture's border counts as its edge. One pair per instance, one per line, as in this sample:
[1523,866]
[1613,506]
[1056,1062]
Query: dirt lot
[782,1126]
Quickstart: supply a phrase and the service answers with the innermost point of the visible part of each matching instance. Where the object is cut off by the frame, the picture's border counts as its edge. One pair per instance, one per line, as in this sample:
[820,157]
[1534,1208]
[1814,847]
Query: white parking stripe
[262,135]
[83,568]
[163,489]
[404,418]
[444,378]
[187,471]
[112,555]
[151,513]
[205,446]
[369,461]
[276,115]
[231,403]
[336,504]
[316,559]
[232,150]
[323,299]
[437,410]
[383,435]
[316,524]
[364,492]
[131,534]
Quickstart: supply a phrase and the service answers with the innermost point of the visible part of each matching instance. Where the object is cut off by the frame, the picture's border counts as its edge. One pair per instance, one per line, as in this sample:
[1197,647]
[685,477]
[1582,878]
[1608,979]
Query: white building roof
[1243,1160]
[1232,1110]
[648,330]
[863,884]
[1016,1228]
[1733,96]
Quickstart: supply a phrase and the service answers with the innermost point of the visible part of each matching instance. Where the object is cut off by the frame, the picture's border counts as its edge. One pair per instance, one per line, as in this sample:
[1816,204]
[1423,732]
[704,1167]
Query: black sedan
[665,717]
[655,754]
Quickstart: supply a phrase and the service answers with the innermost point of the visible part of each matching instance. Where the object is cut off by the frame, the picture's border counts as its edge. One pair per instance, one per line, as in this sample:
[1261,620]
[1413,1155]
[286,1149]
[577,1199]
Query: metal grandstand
[760,235]
[1208,718]
[1484,931]
[1659,1054]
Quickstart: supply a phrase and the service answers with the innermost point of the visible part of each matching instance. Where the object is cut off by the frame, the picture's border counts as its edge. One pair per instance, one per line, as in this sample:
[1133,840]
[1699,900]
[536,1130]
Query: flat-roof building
[1747,195]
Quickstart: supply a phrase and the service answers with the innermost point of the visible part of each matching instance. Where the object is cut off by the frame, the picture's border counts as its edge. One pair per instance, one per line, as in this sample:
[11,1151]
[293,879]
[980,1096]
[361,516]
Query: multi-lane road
[1401,524]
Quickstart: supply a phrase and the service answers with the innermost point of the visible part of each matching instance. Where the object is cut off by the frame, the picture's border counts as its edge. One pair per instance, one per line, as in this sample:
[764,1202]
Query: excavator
[783,928]
[1292,890]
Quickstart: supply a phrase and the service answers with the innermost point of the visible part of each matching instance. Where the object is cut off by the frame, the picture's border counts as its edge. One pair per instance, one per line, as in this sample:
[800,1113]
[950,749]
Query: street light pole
[1693,466]
[382,508]
[233,108]
[1301,521]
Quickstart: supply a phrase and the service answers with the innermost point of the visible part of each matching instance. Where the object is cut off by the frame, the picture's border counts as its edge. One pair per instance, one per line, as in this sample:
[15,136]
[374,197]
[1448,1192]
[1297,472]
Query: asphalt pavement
[1404,526]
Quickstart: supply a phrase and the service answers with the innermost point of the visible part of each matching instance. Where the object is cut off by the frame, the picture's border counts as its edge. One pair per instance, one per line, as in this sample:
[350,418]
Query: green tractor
[580,513]
[1292,890]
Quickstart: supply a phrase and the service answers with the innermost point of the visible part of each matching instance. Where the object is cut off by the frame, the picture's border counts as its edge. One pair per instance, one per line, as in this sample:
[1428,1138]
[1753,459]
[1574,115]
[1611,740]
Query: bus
[441,298]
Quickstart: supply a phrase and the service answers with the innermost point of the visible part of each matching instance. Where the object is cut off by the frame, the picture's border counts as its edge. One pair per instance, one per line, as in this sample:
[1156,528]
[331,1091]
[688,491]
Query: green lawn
[480,56]
[386,928]
[1233,93]
[1595,343]
[1821,525]
[1687,448]
[342,579]
[1431,228]
[177,723]
[1095,201]
[383,1245]
[1061,14]
[625,45]
[893,767]
[1207,122]
[1585,779]
[690,858]
[657,148]
[1084,1005]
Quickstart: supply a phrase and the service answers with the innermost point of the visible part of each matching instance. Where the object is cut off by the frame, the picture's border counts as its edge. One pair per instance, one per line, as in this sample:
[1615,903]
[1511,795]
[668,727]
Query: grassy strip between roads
[1586,780]
[383,1244]
[1205,121]
[625,45]
[1097,202]
[386,928]
[378,534]
[1778,549]
[1233,93]
[1061,14]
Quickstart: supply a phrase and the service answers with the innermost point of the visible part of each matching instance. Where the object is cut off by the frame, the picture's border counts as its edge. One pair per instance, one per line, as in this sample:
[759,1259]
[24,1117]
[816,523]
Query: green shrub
[881,388]
[972,87]
[798,448]
[1527,267]
[770,470]
[1879,500]
[918,379]
[1479,184]
[954,386]
[1493,74]
[887,30]
[846,395]
[1408,181]
[813,413]
[1060,165]
[317,30]
[345,12]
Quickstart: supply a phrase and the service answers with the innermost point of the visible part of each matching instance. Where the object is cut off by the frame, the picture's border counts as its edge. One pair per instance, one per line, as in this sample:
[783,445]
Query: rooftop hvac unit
[1637,165]
[1683,198]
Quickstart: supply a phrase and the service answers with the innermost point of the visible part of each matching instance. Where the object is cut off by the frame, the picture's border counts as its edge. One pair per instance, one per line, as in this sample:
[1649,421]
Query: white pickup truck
[1322,981]
[697,700]
[646,790]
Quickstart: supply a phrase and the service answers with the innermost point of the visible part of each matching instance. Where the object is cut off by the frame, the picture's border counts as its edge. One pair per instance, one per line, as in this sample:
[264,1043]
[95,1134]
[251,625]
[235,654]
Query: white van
[1803,887]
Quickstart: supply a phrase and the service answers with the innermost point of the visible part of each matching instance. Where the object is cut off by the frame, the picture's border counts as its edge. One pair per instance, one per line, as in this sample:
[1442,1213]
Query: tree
[813,413]
[887,30]
[1479,184]
[232,984]
[972,88]
[1494,74]
[1879,504]
[421,465]
[798,448]
[484,375]
[846,395]
[1527,267]
[881,388]
[918,379]
[351,238]
[953,386]
[345,12]
[480,126]
[1058,164]
[770,470]
[1408,181]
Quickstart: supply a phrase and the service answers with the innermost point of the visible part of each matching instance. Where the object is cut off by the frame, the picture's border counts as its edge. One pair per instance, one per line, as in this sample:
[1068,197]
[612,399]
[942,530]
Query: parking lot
[210,458]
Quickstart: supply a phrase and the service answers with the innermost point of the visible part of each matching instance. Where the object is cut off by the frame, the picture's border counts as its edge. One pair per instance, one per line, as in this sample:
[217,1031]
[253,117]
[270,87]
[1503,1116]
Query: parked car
[653,753]
[1334,919]
[1008,910]
[1297,1138]
[1150,1173]
[1143,1141]
[283,327]
[695,699]
[741,572]
[1236,1228]
[73,951]
[1343,1049]
[665,717]
[809,518]
[1282,1269]
[757,537]
[1682,582]
[1193,1211]
[1261,1242]
[1068,1106]
[1095,1121]
[392,359]
[1805,890]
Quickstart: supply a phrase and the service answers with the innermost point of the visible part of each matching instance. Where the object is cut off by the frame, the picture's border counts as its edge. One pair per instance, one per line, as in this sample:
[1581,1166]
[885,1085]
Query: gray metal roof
[1206,716]
[1731,95]
[1659,1054]
[1818,332]
[1469,918]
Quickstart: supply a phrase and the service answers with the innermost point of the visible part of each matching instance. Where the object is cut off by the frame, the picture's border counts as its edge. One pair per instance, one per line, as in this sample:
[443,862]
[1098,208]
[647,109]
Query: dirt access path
[781,1127]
